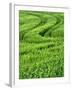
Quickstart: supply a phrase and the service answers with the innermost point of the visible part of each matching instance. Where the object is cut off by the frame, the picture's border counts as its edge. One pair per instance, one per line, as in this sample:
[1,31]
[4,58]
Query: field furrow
[41,44]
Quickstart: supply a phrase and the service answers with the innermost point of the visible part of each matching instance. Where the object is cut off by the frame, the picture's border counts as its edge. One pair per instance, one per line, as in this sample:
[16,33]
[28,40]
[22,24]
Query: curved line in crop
[41,39]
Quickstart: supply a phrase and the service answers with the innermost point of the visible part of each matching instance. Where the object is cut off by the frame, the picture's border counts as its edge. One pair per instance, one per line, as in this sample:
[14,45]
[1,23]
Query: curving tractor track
[41,44]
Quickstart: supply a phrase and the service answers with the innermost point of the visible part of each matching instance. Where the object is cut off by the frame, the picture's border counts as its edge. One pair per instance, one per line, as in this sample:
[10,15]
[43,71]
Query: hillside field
[41,44]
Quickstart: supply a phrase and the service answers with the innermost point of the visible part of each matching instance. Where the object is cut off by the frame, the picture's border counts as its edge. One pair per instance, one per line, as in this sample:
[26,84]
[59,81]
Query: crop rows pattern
[41,44]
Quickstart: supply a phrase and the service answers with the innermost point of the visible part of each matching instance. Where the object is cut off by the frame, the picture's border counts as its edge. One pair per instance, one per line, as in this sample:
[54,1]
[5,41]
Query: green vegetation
[41,44]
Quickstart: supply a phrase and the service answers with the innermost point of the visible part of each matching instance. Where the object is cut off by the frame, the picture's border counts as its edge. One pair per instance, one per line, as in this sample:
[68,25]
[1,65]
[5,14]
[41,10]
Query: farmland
[41,44]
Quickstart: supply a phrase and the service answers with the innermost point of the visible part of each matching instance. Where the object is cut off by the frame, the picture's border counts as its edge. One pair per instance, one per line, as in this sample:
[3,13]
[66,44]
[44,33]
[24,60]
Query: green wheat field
[41,44]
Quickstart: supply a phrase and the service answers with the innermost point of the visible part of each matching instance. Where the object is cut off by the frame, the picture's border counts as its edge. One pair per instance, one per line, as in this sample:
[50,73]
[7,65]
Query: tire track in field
[42,32]
[39,28]
[48,29]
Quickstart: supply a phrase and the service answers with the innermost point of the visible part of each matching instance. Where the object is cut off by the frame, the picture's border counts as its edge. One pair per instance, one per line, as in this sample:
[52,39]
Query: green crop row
[41,44]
